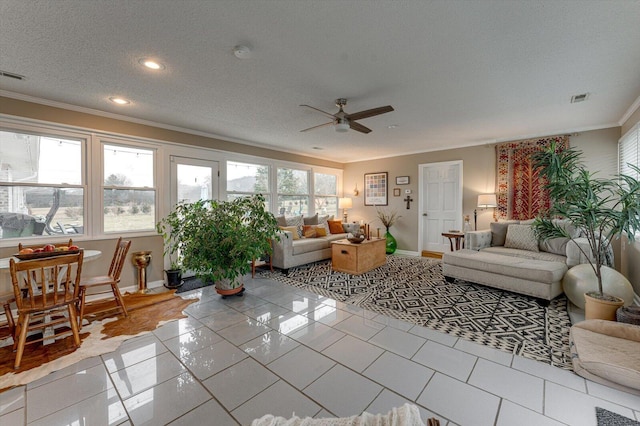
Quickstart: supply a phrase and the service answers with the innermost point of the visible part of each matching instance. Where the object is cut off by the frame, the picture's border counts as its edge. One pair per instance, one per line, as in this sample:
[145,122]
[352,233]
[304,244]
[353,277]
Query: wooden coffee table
[358,258]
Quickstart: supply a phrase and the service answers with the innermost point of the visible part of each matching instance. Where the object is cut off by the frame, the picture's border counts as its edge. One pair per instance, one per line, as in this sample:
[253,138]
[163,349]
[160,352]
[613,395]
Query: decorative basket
[629,314]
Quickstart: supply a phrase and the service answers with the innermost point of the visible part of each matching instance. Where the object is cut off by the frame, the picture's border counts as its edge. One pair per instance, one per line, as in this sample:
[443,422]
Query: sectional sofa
[510,257]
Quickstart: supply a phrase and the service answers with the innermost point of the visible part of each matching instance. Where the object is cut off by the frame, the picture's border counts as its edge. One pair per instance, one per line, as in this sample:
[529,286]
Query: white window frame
[99,186]
[44,130]
[629,152]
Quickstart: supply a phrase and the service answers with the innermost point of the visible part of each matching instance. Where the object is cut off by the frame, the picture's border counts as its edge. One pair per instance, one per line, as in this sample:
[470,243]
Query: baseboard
[432,254]
[123,290]
[408,253]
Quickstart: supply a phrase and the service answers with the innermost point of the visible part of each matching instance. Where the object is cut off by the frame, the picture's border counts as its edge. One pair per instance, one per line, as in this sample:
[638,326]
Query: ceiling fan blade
[315,127]
[359,127]
[319,110]
[370,112]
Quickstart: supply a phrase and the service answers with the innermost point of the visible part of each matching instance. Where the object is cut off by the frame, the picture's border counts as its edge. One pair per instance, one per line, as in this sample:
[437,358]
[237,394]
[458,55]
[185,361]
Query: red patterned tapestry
[520,190]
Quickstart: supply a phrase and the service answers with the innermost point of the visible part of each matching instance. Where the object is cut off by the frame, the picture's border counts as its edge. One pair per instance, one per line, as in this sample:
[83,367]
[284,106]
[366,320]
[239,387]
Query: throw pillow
[559,245]
[313,220]
[568,227]
[554,245]
[282,221]
[292,229]
[323,222]
[527,222]
[335,227]
[310,231]
[297,222]
[499,231]
[320,231]
[521,237]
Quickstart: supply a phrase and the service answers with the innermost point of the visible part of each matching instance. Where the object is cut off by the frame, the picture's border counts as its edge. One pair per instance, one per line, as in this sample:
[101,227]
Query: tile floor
[280,350]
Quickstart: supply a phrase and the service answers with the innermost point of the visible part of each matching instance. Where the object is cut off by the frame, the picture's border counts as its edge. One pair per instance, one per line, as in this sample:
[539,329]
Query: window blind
[629,152]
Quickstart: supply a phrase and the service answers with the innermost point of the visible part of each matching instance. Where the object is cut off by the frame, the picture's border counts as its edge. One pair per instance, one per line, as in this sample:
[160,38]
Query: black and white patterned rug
[413,289]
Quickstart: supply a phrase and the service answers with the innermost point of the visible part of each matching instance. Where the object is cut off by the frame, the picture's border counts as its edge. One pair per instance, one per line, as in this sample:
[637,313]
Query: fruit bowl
[31,256]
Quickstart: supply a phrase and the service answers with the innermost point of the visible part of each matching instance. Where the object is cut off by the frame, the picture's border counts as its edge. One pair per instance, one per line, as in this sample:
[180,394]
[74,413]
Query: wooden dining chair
[106,283]
[8,323]
[46,295]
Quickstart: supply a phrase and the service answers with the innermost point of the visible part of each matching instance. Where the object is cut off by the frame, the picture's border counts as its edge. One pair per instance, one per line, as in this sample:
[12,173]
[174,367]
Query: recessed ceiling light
[393,126]
[242,51]
[151,64]
[119,101]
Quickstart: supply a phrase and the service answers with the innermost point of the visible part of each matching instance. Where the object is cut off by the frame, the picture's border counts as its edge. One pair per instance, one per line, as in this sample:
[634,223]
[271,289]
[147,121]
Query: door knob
[424,214]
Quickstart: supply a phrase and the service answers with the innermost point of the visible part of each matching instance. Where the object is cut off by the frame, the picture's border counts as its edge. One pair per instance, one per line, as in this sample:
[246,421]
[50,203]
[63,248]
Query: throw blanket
[407,415]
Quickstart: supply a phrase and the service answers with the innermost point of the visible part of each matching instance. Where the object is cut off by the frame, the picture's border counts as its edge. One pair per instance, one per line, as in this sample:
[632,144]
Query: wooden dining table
[5,281]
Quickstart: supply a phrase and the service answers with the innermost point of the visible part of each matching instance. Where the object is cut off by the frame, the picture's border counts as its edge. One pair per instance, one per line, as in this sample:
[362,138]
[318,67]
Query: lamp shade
[342,126]
[487,200]
[345,203]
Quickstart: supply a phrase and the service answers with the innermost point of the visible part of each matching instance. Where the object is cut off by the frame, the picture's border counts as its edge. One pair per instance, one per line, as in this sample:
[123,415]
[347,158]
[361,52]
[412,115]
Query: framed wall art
[375,189]
[396,192]
[402,180]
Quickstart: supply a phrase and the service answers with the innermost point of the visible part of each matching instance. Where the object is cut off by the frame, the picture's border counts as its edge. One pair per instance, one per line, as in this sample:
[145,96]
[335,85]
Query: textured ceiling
[458,73]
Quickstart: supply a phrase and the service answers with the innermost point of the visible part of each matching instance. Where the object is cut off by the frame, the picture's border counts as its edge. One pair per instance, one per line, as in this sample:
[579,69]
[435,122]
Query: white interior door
[193,179]
[441,203]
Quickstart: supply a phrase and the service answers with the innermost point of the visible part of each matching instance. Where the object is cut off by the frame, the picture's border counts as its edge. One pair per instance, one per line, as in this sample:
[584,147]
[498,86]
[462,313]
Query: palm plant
[601,208]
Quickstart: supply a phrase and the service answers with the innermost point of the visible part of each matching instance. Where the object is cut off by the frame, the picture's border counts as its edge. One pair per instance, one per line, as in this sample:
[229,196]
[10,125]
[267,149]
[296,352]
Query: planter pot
[581,279]
[227,287]
[596,308]
[174,278]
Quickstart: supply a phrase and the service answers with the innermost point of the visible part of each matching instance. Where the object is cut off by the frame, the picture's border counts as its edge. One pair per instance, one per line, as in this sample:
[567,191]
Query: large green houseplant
[219,239]
[601,208]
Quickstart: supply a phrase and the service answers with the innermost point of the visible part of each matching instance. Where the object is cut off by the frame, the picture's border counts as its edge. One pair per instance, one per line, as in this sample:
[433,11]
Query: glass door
[193,179]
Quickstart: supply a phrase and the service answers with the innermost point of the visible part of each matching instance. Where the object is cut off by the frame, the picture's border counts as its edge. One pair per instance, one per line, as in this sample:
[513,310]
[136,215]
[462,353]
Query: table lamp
[345,203]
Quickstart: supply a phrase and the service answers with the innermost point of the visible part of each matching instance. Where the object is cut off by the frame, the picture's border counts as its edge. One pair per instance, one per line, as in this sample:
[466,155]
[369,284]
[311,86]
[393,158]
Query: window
[42,184]
[293,192]
[129,194]
[247,179]
[629,152]
[326,193]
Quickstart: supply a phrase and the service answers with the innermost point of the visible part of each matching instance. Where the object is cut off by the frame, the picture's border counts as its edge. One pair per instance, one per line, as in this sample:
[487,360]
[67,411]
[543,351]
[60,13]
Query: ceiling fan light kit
[342,126]
[342,121]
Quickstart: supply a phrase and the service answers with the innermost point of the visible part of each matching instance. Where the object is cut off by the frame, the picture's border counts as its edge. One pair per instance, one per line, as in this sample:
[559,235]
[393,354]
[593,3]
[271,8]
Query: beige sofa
[508,256]
[290,252]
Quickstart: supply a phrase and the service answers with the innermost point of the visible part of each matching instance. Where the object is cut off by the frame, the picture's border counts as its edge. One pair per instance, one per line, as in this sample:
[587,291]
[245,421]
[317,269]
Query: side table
[457,236]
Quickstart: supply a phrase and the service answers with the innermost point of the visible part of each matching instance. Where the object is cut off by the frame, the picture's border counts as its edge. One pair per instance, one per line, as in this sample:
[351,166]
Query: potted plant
[388,219]
[170,228]
[219,239]
[600,208]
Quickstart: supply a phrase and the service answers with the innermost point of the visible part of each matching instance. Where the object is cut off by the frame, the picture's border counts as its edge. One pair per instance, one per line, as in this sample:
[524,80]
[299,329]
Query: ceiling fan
[343,121]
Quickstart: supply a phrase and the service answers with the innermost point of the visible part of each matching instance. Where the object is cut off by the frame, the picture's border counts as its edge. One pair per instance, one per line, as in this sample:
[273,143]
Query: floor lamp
[485,201]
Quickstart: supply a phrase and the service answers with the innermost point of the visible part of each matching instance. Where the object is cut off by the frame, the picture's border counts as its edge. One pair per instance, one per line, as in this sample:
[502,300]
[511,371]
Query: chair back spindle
[119,257]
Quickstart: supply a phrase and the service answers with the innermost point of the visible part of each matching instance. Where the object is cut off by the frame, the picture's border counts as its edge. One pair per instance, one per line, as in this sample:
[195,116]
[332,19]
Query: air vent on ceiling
[579,98]
[11,75]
